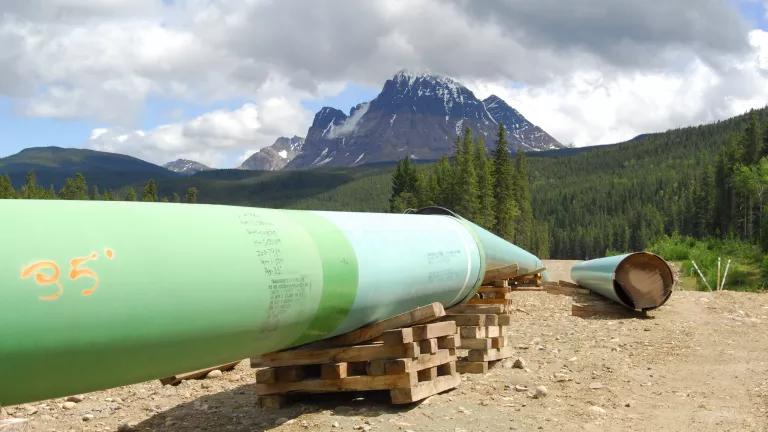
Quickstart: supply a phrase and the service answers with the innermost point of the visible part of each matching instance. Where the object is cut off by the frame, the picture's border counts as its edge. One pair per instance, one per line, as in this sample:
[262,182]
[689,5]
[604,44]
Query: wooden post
[717,281]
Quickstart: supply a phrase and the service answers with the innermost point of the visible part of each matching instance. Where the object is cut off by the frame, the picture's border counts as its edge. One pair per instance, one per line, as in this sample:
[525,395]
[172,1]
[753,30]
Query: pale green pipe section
[645,284]
[499,253]
[101,294]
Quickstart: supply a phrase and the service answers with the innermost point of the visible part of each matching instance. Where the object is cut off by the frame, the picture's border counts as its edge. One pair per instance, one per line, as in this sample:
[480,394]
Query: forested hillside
[622,197]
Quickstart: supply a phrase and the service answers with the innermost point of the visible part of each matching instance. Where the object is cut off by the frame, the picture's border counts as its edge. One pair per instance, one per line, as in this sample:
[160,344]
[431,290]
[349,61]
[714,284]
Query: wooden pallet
[411,363]
[484,326]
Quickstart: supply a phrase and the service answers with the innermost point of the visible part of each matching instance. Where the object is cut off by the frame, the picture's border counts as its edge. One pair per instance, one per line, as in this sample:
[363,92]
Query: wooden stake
[701,275]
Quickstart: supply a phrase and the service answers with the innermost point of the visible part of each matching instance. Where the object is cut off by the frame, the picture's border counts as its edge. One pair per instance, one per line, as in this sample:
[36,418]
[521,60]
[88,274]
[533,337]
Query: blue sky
[99,63]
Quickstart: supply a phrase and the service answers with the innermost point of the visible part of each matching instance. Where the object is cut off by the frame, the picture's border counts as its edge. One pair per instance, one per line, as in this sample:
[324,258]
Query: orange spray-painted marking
[76,272]
[44,279]
[109,253]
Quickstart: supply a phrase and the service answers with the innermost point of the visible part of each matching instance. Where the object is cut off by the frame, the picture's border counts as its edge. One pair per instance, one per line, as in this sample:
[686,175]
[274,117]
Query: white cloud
[214,138]
[589,72]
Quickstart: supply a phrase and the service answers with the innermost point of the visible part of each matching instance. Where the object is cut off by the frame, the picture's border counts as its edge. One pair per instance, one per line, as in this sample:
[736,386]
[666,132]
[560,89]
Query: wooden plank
[477,344]
[489,301]
[424,361]
[604,309]
[494,290]
[425,389]
[416,316]
[452,341]
[498,342]
[569,284]
[397,336]
[427,374]
[472,332]
[200,373]
[357,353]
[334,370]
[466,319]
[492,331]
[433,330]
[475,309]
[290,373]
[471,367]
[490,355]
[428,346]
[500,275]
[566,290]
[350,383]
[504,320]
[265,376]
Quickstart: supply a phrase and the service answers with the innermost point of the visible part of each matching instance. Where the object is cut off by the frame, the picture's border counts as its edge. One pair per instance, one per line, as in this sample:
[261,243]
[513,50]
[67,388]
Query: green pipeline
[640,280]
[101,294]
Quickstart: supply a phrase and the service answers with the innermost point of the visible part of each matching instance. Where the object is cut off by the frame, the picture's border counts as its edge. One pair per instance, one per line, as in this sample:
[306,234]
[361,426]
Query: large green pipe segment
[640,280]
[101,294]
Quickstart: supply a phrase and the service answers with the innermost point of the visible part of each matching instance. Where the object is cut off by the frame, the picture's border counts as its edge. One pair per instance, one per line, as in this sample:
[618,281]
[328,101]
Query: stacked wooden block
[412,363]
[484,331]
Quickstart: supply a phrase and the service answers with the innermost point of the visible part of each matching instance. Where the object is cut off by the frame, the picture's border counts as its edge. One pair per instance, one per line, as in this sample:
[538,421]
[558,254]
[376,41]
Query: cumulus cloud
[590,72]
[214,138]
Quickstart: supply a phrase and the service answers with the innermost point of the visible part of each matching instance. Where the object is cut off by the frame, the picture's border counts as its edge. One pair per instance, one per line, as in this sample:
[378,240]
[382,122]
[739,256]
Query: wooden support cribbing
[419,315]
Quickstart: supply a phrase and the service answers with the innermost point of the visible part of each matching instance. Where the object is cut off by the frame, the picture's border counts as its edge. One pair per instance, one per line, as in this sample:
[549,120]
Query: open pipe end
[643,281]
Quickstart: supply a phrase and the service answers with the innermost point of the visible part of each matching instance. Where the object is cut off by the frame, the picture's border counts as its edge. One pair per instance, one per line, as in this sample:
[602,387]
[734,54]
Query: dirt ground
[699,363]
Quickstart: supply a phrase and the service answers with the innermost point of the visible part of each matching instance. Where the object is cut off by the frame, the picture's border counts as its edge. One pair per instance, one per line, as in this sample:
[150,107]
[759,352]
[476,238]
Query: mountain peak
[186,166]
[276,156]
[416,115]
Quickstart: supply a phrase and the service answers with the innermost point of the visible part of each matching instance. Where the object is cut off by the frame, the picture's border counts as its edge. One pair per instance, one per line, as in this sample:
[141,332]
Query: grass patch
[748,270]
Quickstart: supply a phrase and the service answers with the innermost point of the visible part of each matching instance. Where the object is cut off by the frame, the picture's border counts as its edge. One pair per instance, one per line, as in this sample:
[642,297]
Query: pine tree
[505,210]
[191,195]
[95,194]
[467,192]
[176,197]
[150,191]
[130,194]
[6,188]
[30,189]
[404,187]
[524,232]
[752,141]
[484,169]
[444,183]
[75,188]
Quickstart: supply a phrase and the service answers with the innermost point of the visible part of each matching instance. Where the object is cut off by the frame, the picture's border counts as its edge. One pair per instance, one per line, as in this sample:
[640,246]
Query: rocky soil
[699,363]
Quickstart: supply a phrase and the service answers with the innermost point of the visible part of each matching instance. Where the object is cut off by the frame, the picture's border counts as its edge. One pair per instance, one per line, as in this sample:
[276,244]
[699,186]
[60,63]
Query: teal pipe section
[101,294]
[639,280]
[499,253]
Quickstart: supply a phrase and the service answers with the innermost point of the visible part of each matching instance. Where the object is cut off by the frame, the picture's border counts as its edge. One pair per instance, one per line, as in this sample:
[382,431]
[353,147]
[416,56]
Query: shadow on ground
[238,410]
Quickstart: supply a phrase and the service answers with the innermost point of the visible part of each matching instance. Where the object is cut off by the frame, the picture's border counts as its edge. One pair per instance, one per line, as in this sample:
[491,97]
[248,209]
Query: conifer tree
[404,187]
[30,189]
[150,191]
[524,231]
[130,194]
[444,183]
[505,208]
[191,195]
[752,141]
[484,170]
[6,188]
[75,188]
[467,192]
